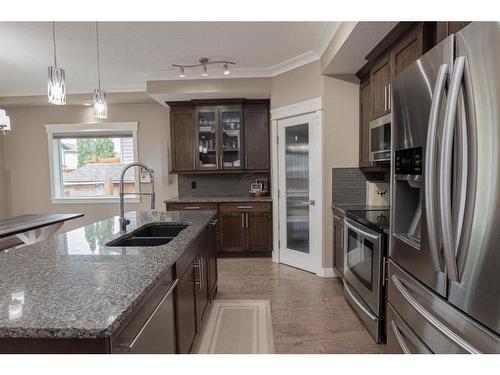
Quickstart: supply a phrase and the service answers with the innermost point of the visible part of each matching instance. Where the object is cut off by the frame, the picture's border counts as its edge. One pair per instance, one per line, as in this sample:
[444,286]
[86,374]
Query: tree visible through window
[93,149]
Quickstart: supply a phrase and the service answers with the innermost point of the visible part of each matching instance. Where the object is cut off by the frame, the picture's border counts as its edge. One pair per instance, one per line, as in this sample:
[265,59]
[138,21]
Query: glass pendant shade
[4,122]
[56,86]
[100,104]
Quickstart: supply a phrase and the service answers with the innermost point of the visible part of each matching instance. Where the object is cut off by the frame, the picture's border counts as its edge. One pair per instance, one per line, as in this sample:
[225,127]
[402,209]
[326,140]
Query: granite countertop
[73,286]
[226,199]
[24,223]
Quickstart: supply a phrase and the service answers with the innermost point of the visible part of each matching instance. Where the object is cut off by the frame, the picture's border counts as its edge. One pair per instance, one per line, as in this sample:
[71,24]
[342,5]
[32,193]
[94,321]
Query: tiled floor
[310,314]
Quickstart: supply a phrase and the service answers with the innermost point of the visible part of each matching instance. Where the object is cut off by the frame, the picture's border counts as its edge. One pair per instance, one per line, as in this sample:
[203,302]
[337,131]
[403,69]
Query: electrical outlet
[193,184]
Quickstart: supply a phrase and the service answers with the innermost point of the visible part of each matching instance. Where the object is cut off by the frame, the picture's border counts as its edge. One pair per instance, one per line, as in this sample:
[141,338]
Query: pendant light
[4,122]
[99,99]
[56,87]
[226,69]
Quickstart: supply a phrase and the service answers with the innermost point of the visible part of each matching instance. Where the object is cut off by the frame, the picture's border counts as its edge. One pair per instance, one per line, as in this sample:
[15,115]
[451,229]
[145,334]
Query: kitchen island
[72,293]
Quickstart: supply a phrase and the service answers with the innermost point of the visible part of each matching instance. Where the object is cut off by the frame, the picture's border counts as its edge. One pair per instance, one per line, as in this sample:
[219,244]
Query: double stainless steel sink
[154,234]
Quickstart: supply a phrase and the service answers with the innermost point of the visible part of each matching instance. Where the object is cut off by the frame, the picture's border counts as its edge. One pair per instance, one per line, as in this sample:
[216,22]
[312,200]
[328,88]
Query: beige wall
[297,85]
[27,164]
[340,145]
[340,126]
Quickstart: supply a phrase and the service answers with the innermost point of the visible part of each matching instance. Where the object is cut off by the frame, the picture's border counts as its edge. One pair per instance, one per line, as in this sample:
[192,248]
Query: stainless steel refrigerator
[444,267]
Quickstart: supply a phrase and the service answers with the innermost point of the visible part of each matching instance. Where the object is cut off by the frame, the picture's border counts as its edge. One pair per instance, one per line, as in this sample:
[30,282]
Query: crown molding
[326,37]
[295,62]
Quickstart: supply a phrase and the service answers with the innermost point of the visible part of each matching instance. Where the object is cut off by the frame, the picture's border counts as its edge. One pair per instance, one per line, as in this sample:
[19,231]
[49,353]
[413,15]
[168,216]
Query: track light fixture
[204,62]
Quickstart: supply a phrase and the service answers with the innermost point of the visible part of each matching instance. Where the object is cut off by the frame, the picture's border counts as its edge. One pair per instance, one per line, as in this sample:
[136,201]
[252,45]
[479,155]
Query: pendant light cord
[98,62]
[54,42]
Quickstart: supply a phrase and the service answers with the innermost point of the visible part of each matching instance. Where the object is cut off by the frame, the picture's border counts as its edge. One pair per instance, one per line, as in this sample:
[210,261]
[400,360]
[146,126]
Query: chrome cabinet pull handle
[430,165]
[385,98]
[243,220]
[389,97]
[244,207]
[192,208]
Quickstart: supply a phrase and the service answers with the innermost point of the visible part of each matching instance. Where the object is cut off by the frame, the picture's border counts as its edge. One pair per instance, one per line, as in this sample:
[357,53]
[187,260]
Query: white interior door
[299,169]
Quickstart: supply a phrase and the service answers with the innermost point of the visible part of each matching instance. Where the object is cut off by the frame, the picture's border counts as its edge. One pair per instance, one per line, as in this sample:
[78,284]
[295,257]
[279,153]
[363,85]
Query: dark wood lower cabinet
[338,241]
[197,273]
[212,257]
[186,314]
[231,231]
[245,228]
[258,231]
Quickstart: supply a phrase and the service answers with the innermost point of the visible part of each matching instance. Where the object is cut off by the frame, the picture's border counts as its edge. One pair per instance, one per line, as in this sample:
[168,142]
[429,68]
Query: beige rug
[238,327]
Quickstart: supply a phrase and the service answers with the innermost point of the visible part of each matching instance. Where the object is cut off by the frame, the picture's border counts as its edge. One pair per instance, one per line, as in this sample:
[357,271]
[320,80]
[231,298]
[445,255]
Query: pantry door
[299,169]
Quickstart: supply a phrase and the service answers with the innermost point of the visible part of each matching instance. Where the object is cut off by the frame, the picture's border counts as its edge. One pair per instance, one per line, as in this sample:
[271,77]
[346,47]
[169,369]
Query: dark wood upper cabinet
[444,29]
[182,136]
[380,80]
[407,49]
[364,123]
[219,136]
[256,137]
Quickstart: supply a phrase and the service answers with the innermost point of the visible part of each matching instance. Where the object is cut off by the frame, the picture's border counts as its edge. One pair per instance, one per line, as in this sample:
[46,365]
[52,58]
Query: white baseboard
[328,272]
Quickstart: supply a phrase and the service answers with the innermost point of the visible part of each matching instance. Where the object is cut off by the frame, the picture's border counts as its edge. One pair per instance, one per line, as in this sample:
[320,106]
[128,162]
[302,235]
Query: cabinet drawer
[192,206]
[245,207]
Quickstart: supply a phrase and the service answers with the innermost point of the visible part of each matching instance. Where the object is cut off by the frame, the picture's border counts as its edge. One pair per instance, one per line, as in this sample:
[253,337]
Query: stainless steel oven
[364,265]
[380,138]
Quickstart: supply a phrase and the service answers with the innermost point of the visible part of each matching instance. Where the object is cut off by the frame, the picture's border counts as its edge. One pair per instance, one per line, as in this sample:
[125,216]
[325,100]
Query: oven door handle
[353,297]
[362,232]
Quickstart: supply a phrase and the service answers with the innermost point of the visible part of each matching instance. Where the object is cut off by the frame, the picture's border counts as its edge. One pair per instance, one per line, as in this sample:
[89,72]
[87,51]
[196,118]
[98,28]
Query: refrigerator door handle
[430,318]
[468,179]
[445,169]
[430,164]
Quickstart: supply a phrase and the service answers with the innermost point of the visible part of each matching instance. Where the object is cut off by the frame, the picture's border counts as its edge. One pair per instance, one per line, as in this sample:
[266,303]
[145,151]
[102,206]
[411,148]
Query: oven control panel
[408,161]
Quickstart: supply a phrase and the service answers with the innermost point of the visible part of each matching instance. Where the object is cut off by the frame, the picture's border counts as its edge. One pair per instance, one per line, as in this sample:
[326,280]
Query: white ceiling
[135,52]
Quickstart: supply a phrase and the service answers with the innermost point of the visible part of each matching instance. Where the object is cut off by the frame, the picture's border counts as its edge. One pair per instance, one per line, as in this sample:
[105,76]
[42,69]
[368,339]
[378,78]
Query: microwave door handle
[430,165]
[445,166]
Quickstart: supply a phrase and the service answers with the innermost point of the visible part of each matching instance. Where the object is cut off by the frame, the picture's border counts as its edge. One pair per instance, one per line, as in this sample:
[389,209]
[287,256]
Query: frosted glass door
[231,120]
[300,191]
[297,187]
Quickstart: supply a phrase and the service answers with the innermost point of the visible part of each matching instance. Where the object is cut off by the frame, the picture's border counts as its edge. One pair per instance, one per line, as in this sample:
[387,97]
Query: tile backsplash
[349,184]
[208,185]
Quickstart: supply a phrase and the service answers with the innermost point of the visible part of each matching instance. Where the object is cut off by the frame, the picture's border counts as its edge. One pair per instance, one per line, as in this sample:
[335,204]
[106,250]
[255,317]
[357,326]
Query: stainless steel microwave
[380,138]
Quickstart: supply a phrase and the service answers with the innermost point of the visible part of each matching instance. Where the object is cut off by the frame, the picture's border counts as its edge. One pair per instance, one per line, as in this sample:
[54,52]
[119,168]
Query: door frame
[314,107]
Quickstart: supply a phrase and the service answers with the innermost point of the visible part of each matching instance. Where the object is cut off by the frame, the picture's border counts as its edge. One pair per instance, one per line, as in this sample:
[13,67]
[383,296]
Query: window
[86,161]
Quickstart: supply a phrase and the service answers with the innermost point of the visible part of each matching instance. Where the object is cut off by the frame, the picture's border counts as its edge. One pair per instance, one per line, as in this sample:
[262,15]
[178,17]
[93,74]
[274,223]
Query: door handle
[243,220]
[430,165]
[436,323]
[445,166]
[311,202]
[399,338]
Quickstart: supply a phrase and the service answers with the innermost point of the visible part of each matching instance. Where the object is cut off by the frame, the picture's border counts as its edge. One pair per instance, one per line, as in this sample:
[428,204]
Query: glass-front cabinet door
[231,121]
[208,144]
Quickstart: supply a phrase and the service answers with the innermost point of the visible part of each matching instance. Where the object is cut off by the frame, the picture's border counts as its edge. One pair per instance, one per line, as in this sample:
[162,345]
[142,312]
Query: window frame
[89,128]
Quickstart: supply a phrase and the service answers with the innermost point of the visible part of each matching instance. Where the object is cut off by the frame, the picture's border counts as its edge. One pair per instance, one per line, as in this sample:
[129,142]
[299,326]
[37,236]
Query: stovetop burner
[375,219]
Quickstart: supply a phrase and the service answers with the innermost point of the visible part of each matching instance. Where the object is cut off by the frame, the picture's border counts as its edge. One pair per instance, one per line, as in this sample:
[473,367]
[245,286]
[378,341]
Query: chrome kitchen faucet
[124,222]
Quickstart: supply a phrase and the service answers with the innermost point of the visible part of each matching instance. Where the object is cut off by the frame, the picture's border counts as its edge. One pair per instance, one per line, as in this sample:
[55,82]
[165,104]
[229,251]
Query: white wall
[27,164]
